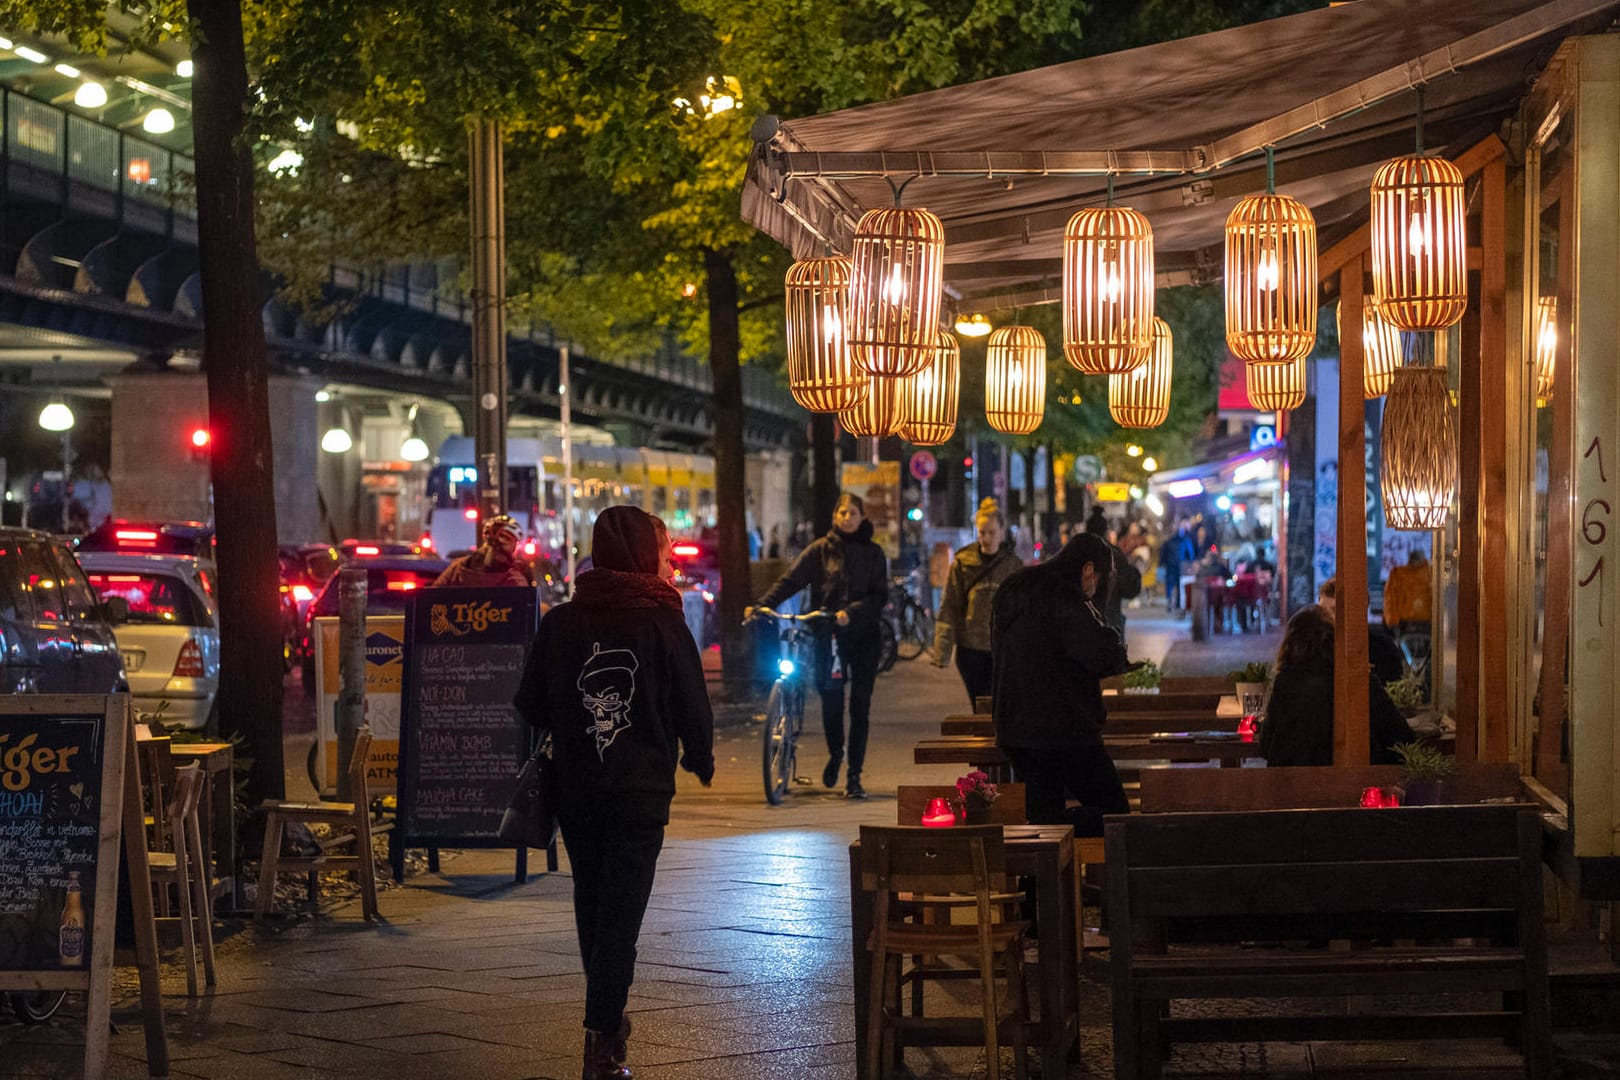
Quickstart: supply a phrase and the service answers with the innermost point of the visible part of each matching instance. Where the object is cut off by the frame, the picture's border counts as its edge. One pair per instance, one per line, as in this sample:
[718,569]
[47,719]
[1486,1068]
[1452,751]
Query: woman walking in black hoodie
[615,677]
[1051,647]
[847,574]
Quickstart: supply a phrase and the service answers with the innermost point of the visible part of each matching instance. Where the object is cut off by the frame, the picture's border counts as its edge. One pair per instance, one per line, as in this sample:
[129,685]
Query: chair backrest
[181,812]
[157,785]
[914,799]
[966,859]
[357,768]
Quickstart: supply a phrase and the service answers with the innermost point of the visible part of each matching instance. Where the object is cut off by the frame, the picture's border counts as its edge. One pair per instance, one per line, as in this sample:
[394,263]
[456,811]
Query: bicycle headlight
[785,667]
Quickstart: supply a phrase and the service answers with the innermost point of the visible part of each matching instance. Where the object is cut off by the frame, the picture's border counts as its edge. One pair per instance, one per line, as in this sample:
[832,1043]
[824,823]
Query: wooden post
[140,902]
[1470,539]
[1350,745]
[1493,434]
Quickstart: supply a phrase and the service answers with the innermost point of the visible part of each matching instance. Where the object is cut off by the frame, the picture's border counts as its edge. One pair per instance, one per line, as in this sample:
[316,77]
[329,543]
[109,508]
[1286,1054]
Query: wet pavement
[744,966]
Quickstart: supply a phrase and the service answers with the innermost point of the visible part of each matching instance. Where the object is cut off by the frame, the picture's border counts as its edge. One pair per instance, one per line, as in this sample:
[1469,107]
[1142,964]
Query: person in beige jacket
[964,610]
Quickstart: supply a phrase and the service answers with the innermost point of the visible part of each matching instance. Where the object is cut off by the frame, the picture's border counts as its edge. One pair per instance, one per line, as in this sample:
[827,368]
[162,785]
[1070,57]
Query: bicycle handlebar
[809,616]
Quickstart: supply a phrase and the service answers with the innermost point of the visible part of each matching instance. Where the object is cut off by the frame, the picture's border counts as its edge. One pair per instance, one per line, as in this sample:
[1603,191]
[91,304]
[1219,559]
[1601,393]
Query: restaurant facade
[1523,98]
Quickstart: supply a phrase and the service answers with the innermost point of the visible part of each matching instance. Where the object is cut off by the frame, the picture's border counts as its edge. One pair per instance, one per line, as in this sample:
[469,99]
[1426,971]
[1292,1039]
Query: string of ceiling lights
[92,92]
[865,340]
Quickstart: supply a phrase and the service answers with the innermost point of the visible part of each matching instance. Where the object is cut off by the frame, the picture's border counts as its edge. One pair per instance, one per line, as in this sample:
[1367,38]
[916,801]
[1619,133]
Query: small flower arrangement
[975,791]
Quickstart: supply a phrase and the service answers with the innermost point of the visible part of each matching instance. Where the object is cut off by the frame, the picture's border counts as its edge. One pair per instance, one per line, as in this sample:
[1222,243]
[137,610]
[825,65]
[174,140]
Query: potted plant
[1250,683]
[975,793]
[1142,679]
[1406,694]
[1423,773]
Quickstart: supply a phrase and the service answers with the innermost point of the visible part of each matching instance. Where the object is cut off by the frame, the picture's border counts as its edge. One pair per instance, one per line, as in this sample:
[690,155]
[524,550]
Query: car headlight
[785,667]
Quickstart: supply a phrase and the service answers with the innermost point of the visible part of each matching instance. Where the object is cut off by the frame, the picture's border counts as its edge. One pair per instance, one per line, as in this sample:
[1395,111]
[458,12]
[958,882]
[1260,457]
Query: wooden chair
[901,866]
[183,866]
[914,799]
[353,817]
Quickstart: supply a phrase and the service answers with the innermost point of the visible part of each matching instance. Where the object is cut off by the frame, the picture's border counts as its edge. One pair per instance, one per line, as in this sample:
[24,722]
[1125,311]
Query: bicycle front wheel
[777,746]
[37,1006]
[916,632]
[887,644]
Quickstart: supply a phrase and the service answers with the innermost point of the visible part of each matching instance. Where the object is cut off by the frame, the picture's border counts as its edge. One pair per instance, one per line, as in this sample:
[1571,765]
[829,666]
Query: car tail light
[367,549]
[470,514]
[529,548]
[302,594]
[190,663]
[402,586]
[687,551]
[136,536]
[427,541]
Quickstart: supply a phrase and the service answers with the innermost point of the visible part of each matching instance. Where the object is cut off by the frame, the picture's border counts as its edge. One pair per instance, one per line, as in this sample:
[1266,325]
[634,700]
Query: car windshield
[153,598]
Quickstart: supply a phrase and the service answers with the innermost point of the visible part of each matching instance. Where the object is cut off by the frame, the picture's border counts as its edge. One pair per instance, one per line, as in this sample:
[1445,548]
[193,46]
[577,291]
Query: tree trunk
[824,490]
[250,676]
[730,481]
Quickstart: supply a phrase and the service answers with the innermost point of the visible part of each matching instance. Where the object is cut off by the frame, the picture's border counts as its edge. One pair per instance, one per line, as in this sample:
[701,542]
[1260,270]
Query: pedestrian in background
[970,590]
[495,563]
[1174,553]
[847,574]
[615,677]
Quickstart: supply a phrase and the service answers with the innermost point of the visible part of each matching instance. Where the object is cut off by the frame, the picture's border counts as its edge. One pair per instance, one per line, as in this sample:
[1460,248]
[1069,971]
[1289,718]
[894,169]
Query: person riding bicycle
[495,563]
[847,574]
[970,590]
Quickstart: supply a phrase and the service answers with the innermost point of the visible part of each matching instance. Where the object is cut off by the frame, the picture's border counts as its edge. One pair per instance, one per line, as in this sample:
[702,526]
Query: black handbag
[528,821]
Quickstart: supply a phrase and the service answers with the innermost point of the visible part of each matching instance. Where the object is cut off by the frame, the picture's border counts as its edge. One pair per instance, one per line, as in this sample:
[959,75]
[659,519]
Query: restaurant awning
[1182,125]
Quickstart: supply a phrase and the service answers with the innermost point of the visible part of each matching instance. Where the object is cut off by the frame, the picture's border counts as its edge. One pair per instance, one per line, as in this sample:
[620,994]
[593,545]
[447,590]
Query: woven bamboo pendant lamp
[1419,264]
[931,396]
[1141,398]
[1015,380]
[1270,277]
[881,413]
[1276,387]
[1546,346]
[821,373]
[1107,289]
[895,287]
[1380,350]
[1419,447]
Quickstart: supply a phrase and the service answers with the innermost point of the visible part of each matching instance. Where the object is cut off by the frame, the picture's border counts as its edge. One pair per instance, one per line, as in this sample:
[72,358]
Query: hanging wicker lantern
[1270,280]
[1419,267]
[1546,346]
[1380,350]
[1107,290]
[821,373]
[931,396]
[895,286]
[1141,398]
[1015,380]
[1276,387]
[881,413]
[1419,447]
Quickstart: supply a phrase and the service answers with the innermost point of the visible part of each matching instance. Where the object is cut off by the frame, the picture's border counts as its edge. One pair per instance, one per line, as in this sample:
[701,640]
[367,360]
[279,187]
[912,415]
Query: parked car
[56,637]
[390,580]
[193,538]
[697,576]
[304,569]
[170,637]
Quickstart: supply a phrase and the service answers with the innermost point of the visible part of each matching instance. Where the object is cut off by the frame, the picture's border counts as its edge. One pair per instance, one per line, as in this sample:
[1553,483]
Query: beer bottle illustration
[71,940]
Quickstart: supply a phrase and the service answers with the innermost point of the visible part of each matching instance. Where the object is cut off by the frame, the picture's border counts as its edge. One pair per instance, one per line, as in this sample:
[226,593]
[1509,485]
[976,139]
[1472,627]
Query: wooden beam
[1350,706]
[1351,250]
[1469,538]
[1488,150]
[1493,434]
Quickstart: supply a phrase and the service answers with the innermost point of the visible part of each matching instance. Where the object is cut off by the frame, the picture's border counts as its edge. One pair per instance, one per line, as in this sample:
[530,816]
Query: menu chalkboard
[461,741]
[50,839]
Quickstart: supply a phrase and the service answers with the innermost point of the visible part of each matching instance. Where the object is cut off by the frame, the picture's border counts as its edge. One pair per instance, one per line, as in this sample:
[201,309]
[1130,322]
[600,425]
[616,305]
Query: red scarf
[600,587]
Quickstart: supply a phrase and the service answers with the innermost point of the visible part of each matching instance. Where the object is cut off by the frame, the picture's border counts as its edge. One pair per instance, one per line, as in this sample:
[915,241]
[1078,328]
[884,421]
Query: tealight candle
[939,814]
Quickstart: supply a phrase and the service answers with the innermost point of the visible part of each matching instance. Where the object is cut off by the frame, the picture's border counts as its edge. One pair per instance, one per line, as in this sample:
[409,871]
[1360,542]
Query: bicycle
[912,622]
[784,710]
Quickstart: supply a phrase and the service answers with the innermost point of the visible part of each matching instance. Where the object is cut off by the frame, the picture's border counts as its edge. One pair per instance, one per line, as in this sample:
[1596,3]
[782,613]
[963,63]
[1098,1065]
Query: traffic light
[200,440]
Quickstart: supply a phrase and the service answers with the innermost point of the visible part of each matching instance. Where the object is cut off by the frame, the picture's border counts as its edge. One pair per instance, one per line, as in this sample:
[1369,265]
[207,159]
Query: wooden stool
[355,817]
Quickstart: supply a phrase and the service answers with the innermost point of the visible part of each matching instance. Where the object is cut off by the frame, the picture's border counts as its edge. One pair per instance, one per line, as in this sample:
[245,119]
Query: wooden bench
[1206,790]
[1194,898]
[1134,724]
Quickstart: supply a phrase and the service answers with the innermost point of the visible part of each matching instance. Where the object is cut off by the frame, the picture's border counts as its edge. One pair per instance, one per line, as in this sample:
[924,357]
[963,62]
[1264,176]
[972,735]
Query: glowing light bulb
[1267,274]
[832,327]
[1416,235]
[1113,286]
[56,417]
[894,290]
[1016,376]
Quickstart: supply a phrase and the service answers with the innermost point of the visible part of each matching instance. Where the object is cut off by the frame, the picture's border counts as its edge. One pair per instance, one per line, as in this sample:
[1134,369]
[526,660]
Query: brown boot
[621,1041]
[599,1062]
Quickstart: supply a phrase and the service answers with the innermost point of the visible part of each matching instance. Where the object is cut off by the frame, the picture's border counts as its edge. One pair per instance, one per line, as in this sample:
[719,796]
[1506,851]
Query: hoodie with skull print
[616,678]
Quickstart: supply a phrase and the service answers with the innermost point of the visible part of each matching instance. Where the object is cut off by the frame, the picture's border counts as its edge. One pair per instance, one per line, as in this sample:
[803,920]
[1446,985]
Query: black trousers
[613,867]
[974,667]
[1051,776]
[859,651]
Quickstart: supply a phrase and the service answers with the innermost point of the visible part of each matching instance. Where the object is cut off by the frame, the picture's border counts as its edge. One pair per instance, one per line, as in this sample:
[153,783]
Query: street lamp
[1150,464]
[336,441]
[56,416]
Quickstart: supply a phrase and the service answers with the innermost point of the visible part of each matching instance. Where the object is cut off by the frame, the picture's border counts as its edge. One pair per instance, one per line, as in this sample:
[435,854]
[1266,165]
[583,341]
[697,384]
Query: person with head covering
[615,677]
[1124,580]
[970,590]
[495,563]
[1298,729]
[847,574]
[1050,650]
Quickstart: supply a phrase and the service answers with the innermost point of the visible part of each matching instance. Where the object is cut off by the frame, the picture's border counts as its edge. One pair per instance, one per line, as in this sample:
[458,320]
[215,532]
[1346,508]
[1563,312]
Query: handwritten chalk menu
[50,836]
[461,741]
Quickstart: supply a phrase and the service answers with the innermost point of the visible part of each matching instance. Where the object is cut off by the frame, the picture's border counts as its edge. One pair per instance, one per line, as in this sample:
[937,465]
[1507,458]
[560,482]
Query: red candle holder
[1372,797]
[939,814]
[1246,729]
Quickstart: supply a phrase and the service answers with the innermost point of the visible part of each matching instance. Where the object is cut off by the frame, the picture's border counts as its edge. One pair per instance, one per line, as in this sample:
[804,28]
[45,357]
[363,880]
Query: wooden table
[1045,853]
[982,752]
[1219,716]
[218,813]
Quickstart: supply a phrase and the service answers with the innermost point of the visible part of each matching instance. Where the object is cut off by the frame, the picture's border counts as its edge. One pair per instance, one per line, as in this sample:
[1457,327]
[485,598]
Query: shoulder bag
[529,821]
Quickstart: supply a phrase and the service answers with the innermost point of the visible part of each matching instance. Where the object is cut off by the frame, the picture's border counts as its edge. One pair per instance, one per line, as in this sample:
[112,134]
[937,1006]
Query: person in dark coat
[1298,728]
[1050,649]
[847,574]
[616,678]
[963,621]
[1174,553]
[1124,580]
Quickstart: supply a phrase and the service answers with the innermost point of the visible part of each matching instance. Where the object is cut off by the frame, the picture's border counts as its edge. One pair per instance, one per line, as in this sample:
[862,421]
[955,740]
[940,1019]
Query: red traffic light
[199,439]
